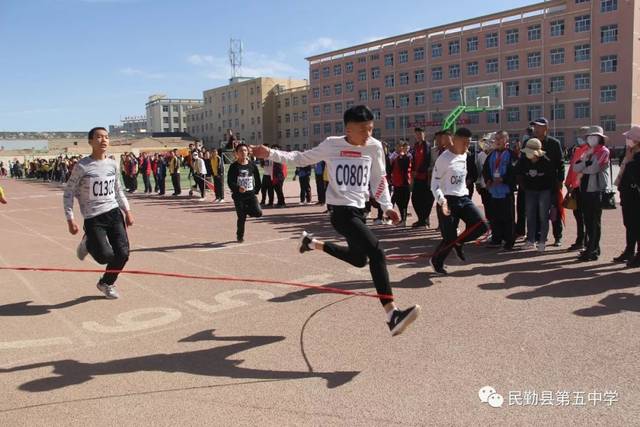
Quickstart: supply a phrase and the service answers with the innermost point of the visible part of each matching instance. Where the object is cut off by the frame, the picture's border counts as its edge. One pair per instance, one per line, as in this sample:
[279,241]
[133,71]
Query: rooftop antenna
[235,57]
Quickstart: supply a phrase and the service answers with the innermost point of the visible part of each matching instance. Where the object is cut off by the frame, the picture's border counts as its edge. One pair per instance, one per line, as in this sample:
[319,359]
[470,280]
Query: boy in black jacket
[244,181]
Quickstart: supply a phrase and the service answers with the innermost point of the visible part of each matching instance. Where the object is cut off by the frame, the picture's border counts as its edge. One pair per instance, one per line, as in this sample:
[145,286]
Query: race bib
[352,174]
[246,182]
[102,188]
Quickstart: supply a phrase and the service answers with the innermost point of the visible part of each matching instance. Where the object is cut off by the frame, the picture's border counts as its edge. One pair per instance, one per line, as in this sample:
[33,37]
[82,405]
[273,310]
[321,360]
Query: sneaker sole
[107,296]
[301,245]
[404,324]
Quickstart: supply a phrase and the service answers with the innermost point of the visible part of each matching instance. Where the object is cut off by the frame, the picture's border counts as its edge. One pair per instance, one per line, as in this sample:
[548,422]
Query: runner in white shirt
[355,163]
[449,188]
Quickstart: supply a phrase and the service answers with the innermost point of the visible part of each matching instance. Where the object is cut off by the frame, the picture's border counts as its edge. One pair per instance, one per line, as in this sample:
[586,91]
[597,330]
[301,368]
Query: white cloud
[128,71]
[200,59]
[253,65]
[321,44]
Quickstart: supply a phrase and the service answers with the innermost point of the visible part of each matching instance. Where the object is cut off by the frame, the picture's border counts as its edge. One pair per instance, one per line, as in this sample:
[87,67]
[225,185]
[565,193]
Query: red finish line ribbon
[318,288]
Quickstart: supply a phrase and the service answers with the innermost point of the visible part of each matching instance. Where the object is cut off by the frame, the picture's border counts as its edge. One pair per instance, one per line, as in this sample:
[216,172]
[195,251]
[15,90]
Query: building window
[315,75]
[436,73]
[582,81]
[327,128]
[326,90]
[337,89]
[165,108]
[557,56]
[534,59]
[418,54]
[296,117]
[404,78]
[337,107]
[609,64]
[557,28]
[176,120]
[608,93]
[608,123]
[557,111]
[513,89]
[419,76]
[389,101]
[325,72]
[403,100]
[534,32]
[492,66]
[454,94]
[349,67]
[473,118]
[513,114]
[316,94]
[362,95]
[390,122]
[337,70]
[437,118]
[287,133]
[454,71]
[493,117]
[316,129]
[583,23]
[326,108]
[472,44]
[316,110]
[304,100]
[389,81]
[287,102]
[491,40]
[513,62]
[376,114]
[175,108]
[582,110]
[348,104]
[556,84]
[454,47]
[375,73]
[362,75]
[609,33]
[339,128]
[349,86]
[419,98]
[473,68]
[419,119]
[436,50]
[534,87]
[403,57]
[512,36]
[608,5]
[362,60]
[388,59]
[582,52]
[375,93]
[436,96]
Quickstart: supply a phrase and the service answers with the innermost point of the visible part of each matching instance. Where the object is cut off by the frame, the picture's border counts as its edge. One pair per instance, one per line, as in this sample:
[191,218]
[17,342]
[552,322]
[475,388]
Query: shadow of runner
[214,362]
[612,304]
[24,309]
[204,245]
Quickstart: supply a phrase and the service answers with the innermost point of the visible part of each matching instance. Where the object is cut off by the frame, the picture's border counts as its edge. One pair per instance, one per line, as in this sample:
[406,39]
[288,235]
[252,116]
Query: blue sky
[74,64]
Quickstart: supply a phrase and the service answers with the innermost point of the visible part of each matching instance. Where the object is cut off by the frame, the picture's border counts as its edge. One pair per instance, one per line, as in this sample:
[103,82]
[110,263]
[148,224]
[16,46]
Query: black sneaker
[419,224]
[576,247]
[557,242]
[240,239]
[459,252]
[623,257]
[438,268]
[305,242]
[400,319]
[634,262]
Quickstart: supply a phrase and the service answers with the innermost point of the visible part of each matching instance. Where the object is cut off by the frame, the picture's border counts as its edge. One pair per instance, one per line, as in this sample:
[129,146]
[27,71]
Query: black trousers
[147,183]
[503,220]
[133,182]
[461,208]
[175,180]
[156,186]
[107,242]
[218,182]
[592,211]
[630,204]
[161,184]
[277,187]
[420,199]
[305,188]
[401,197]
[321,189]
[486,202]
[246,205]
[521,209]
[362,245]
[199,179]
[581,238]
[266,189]
[556,225]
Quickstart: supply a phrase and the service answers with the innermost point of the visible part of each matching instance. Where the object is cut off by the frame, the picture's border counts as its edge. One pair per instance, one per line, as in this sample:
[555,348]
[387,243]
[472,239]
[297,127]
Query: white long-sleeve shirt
[449,176]
[354,171]
[96,184]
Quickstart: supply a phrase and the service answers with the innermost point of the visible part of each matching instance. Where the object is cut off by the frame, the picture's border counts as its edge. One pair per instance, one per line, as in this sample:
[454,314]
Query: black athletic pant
[246,205]
[160,181]
[503,220]
[592,211]
[461,208]
[147,183]
[277,187]
[107,242]
[486,202]
[630,205]
[266,189]
[175,180]
[362,244]
[419,199]
[321,189]
[218,182]
[556,225]
[305,188]
[401,197]
[521,208]
[199,179]
[156,185]
[579,216]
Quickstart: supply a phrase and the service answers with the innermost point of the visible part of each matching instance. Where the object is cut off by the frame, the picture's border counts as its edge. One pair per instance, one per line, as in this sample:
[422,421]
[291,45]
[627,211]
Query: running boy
[244,181]
[355,162]
[95,182]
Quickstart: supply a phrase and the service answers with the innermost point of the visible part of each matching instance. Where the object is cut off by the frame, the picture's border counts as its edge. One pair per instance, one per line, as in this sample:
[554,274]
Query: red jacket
[401,171]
